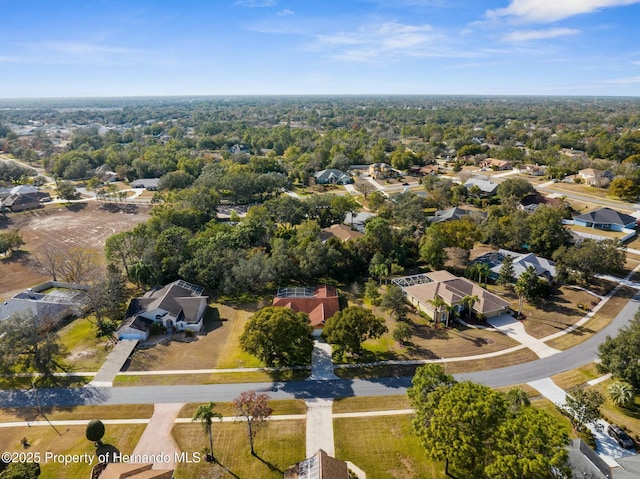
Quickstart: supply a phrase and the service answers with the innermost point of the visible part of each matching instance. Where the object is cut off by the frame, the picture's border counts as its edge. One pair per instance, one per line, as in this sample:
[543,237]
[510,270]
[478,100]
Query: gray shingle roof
[606,216]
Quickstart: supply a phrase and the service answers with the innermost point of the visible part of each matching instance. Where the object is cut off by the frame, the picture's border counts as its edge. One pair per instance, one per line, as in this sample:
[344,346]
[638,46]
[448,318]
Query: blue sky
[69,48]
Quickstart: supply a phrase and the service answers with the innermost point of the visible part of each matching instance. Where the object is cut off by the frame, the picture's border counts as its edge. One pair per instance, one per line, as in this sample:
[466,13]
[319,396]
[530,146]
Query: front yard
[278,446]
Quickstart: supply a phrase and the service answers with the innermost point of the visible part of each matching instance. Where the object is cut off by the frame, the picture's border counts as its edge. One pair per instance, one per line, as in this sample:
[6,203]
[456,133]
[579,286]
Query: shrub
[95,430]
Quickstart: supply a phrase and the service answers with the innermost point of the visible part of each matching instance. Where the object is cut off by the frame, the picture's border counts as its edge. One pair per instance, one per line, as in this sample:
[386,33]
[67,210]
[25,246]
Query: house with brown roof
[179,306]
[496,164]
[422,290]
[122,470]
[534,200]
[341,232]
[319,303]
[23,197]
[427,170]
[319,466]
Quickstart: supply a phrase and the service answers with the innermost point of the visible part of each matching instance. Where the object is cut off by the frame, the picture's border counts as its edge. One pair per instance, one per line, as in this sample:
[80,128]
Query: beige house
[593,177]
[496,164]
[422,290]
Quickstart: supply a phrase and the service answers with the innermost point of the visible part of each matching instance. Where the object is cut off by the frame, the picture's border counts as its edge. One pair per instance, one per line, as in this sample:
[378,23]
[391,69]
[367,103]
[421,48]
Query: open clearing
[86,225]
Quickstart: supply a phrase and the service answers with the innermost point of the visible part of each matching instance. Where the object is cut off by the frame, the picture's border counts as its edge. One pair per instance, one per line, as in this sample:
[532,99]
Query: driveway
[606,447]
[513,328]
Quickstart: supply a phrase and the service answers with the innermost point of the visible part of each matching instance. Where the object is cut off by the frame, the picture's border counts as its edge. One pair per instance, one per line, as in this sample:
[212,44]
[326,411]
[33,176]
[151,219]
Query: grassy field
[282,407]
[555,314]
[133,411]
[453,367]
[85,352]
[378,403]
[211,378]
[577,377]
[68,440]
[599,320]
[278,446]
[428,342]
[383,447]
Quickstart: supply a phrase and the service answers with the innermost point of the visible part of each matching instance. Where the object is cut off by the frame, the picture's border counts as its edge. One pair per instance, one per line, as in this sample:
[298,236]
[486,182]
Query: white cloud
[286,12]
[74,52]
[383,42]
[546,11]
[255,3]
[624,81]
[527,35]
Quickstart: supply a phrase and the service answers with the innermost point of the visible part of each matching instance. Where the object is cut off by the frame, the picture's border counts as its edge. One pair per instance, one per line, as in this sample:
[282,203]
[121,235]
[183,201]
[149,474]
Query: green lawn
[282,407]
[369,403]
[68,440]
[278,446]
[384,447]
[85,352]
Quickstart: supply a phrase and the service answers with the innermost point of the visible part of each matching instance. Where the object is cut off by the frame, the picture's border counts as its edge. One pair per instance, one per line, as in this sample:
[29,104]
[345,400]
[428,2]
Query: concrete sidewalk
[513,328]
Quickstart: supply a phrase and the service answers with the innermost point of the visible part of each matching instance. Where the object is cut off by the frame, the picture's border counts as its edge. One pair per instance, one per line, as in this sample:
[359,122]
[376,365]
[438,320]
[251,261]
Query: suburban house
[521,261]
[496,164]
[421,290]
[319,466]
[332,176]
[341,232]
[132,470]
[487,187]
[534,200]
[605,219]
[531,170]
[359,220]
[150,184]
[24,197]
[179,306]
[449,214]
[595,177]
[239,148]
[106,175]
[427,170]
[319,303]
[63,301]
[382,171]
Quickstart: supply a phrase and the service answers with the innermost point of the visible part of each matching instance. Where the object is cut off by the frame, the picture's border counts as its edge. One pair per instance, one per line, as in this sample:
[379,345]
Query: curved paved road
[572,358]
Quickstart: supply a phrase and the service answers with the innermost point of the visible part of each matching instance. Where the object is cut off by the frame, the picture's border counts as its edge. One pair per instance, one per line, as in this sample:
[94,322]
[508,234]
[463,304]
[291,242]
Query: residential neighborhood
[172,298]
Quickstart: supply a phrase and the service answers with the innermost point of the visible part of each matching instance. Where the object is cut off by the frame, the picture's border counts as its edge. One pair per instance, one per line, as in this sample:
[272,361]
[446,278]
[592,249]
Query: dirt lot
[81,224]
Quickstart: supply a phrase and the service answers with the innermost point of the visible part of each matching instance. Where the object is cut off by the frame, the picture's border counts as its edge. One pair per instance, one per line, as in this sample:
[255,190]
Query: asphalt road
[577,356]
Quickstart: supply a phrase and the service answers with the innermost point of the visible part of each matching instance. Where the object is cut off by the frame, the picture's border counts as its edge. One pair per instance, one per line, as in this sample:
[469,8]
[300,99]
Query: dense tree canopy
[349,328]
[482,433]
[279,337]
[620,355]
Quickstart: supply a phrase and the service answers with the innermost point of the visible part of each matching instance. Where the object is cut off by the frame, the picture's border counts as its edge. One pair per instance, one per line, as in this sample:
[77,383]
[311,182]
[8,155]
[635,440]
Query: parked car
[621,437]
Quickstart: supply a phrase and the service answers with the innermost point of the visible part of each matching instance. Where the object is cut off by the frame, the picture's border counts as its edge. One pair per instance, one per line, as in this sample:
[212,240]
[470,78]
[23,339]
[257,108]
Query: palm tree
[437,303]
[451,311]
[621,394]
[205,414]
[483,271]
[469,301]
